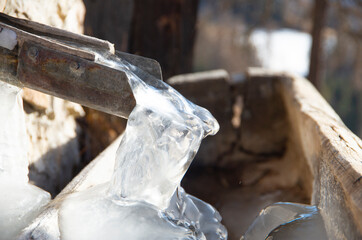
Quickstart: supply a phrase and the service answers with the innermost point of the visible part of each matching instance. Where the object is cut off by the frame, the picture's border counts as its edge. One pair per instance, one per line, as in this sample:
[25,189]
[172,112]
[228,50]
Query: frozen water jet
[20,202]
[144,199]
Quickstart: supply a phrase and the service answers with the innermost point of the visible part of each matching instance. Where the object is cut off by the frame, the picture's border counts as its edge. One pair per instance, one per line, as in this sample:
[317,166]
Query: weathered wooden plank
[332,151]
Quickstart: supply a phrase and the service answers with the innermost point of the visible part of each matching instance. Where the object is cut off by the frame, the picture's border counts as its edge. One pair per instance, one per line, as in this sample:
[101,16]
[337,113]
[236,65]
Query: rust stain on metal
[62,64]
[75,79]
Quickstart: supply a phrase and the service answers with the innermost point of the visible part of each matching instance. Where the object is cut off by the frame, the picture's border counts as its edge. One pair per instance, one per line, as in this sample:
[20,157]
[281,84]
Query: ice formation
[284,221]
[20,202]
[144,199]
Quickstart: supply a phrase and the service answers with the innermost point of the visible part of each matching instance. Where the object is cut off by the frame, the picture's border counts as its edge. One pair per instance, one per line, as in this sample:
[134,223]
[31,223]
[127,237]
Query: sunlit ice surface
[284,221]
[144,199]
[20,202]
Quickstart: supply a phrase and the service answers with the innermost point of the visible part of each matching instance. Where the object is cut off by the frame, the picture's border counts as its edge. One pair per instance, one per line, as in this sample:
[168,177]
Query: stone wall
[53,132]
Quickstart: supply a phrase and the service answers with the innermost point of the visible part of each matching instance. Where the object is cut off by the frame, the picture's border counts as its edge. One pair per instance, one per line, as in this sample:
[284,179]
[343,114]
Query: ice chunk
[19,205]
[283,221]
[7,38]
[20,202]
[144,199]
[189,211]
[93,215]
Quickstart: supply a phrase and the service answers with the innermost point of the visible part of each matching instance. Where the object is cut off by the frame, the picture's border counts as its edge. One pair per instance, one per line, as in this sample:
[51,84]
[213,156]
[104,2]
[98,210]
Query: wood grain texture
[333,153]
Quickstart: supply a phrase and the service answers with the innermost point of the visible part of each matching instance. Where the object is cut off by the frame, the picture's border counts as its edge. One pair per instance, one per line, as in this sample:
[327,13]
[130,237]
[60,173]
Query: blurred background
[254,160]
[317,39]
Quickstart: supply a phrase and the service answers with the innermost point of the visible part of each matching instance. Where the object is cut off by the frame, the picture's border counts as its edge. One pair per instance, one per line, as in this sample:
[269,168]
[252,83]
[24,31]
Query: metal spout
[62,64]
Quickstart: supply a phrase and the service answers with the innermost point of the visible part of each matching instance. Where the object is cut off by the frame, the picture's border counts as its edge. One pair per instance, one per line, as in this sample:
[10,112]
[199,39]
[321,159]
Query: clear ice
[144,199]
[20,202]
[284,221]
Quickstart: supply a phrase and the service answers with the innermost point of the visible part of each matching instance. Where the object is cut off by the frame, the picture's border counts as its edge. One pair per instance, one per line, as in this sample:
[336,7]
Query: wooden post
[165,31]
[319,15]
[110,20]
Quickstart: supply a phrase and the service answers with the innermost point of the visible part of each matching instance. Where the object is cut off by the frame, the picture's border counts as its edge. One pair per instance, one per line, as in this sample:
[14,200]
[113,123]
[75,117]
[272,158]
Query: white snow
[7,38]
[283,50]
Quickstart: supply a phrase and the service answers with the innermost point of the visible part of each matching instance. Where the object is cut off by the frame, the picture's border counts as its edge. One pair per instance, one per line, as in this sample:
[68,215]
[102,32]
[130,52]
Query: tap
[63,64]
